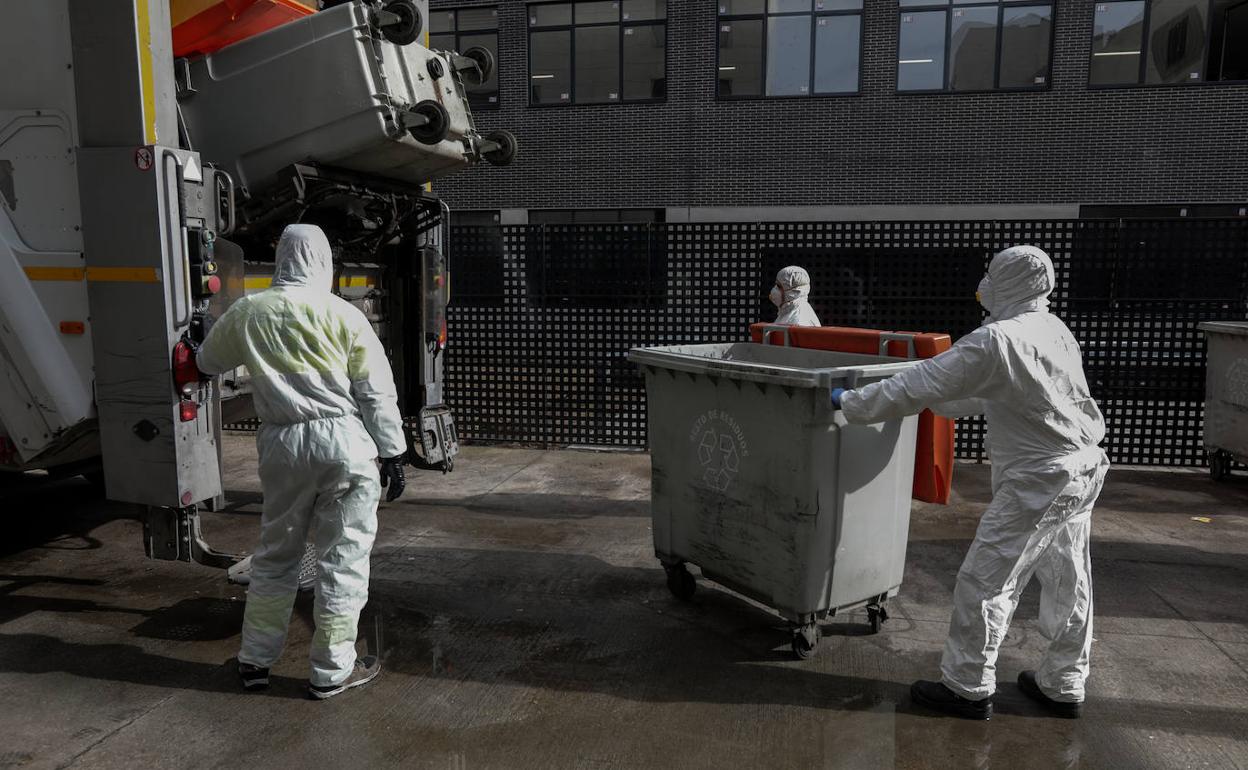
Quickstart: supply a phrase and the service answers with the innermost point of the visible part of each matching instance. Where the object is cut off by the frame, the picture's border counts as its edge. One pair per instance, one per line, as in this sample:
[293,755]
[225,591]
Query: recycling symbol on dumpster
[1237,383]
[720,460]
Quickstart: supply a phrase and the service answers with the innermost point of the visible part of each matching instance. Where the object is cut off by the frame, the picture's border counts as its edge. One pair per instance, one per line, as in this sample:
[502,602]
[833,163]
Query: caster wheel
[806,640]
[504,150]
[484,65]
[1219,465]
[437,122]
[876,615]
[681,583]
[407,27]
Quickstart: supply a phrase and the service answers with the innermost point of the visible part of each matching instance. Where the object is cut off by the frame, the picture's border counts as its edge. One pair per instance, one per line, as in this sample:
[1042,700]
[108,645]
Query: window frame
[457,33]
[949,6]
[1142,75]
[814,16]
[620,24]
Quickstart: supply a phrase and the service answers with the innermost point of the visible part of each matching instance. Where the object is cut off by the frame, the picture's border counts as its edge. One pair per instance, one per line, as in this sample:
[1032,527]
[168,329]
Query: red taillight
[186,374]
[188,411]
[442,335]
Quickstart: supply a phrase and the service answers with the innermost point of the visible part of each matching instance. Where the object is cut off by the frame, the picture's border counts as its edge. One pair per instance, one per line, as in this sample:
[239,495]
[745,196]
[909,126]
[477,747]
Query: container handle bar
[767,330]
[887,337]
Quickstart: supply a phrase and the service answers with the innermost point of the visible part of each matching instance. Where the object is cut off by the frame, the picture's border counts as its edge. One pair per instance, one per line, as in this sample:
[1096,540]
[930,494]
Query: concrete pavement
[526,624]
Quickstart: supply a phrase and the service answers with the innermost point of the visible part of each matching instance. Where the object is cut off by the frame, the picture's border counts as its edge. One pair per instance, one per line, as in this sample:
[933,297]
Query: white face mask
[776,296]
[984,295]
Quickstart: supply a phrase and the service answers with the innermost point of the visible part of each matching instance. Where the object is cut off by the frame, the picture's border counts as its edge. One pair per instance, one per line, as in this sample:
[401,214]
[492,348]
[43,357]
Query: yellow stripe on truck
[112,274]
[124,274]
[346,282]
[147,82]
[55,273]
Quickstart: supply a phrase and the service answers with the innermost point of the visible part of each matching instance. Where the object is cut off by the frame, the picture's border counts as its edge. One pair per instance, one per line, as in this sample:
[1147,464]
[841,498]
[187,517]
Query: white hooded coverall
[326,400]
[1023,370]
[790,295]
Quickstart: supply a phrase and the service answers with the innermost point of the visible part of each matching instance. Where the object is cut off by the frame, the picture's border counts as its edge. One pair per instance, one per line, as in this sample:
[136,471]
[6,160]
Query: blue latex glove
[836,396]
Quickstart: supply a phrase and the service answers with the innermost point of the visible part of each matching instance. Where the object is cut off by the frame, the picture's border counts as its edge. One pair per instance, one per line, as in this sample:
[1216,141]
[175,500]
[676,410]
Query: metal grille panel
[543,316]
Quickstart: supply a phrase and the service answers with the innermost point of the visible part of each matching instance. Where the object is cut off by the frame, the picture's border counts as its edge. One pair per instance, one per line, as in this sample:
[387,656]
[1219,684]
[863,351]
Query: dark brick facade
[1070,144]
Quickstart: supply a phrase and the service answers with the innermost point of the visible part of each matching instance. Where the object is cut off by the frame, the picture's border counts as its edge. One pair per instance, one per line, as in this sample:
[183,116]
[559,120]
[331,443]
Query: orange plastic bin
[204,26]
[933,455]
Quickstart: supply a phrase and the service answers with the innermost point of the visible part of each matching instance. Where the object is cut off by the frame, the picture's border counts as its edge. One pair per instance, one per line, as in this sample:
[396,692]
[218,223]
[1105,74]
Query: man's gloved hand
[836,397]
[392,477]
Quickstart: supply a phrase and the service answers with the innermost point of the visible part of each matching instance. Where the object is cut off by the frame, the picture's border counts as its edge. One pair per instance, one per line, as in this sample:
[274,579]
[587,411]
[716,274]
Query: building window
[612,258]
[461,29]
[958,47]
[1169,42]
[476,259]
[598,52]
[789,47]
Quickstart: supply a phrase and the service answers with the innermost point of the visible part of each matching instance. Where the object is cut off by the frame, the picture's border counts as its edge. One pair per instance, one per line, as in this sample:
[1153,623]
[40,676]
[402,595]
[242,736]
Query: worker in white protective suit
[326,400]
[790,295]
[1022,369]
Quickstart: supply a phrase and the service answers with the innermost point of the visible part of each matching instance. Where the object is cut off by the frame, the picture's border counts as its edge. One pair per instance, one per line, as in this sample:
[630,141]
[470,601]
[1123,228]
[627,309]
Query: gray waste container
[1226,395]
[761,483]
[331,89]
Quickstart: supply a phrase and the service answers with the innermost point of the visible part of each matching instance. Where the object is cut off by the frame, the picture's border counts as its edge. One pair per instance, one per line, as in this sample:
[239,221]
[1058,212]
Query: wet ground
[526,623]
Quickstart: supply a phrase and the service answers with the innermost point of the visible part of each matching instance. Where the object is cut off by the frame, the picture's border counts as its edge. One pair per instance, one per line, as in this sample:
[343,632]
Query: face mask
[776,296]
[984,295]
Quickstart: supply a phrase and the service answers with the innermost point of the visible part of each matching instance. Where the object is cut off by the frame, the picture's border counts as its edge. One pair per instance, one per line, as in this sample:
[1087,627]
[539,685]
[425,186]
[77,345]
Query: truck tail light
[442,335]
[187,410]
[186,375]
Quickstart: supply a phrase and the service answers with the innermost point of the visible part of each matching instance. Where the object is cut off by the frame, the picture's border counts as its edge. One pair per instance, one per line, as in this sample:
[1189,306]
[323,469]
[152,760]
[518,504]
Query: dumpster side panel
[876,464]
[1226,393]
[723,497]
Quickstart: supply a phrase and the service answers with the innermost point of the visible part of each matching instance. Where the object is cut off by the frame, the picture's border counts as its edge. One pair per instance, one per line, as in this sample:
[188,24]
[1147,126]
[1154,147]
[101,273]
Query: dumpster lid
[771,364]
[1225,327]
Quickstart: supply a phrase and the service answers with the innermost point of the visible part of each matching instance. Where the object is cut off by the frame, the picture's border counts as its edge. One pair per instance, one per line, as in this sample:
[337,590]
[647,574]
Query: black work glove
[392,477]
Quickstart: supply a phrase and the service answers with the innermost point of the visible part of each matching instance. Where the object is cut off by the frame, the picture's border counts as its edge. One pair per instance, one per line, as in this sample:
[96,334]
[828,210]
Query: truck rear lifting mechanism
[182,173]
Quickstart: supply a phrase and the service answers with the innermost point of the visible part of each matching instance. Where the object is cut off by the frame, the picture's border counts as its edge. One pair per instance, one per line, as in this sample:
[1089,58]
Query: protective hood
[795,282]
[304,259]
[1020,280]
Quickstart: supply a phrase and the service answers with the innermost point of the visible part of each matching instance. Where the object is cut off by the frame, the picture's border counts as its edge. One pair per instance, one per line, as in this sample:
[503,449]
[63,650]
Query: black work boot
[254,678]
[1063,709]
[937,697]
[366,670]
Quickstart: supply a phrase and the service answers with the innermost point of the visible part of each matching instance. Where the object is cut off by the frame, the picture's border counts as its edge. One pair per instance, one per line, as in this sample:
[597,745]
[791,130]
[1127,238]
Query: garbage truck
[142,193]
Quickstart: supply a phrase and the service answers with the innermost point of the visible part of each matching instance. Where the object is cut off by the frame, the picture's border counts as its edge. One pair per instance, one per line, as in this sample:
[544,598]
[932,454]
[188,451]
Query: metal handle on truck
[175,245]
[227,215]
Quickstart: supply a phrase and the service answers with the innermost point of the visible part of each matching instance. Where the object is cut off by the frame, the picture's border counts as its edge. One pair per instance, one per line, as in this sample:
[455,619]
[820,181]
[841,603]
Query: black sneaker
[366,670]
[937,697]
[254,678]
[1063,709]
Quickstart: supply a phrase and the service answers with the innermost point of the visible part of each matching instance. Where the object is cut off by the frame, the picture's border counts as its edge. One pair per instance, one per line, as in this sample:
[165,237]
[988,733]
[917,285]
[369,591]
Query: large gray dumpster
[759,481]
[1226,395]
[332,89]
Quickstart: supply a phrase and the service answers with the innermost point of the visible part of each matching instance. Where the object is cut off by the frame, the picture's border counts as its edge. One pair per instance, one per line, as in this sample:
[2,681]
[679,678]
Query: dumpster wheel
[680,582]
[1219,465]
[806,640]
[876,615]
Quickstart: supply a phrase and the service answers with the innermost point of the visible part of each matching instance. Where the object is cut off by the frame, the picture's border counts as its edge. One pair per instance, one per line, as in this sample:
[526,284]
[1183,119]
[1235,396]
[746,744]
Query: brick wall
[1067,145]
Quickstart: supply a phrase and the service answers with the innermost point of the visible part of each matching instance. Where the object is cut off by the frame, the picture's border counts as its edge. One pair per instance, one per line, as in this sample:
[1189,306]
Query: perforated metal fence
[543,316]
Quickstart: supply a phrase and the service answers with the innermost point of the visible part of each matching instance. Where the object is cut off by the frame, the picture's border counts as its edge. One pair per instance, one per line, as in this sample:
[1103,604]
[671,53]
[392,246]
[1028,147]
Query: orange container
[204,26]
[933,455]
